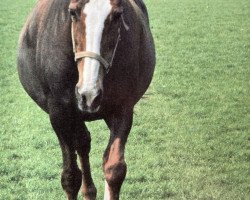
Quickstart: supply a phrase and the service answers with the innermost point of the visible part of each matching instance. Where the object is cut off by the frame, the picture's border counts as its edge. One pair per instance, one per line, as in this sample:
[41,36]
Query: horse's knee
[115,173]
[71,181]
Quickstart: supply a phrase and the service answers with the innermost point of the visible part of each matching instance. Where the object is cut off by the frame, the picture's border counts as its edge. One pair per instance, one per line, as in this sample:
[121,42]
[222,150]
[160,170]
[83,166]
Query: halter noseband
[89,54]
[83,54]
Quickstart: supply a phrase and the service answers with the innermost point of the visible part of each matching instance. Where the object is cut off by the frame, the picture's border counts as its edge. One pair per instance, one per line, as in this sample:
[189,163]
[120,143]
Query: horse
[87,60]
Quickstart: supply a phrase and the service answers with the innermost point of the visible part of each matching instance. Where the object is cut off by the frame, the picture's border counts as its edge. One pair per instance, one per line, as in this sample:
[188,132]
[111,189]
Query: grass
[190,138]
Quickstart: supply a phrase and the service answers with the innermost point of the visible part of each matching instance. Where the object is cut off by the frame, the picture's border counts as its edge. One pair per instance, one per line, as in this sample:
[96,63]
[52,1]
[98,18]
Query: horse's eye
[73,13]
[117,13]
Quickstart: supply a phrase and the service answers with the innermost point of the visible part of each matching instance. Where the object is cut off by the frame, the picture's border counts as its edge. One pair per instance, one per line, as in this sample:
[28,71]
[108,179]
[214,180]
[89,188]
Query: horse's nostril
[77,92]
[97,100]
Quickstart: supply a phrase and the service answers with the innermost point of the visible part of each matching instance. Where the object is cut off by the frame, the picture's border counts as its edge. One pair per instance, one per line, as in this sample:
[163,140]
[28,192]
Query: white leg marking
[107,192]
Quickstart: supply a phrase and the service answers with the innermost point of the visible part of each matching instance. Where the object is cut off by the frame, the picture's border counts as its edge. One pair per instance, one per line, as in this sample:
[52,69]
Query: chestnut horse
[84,60]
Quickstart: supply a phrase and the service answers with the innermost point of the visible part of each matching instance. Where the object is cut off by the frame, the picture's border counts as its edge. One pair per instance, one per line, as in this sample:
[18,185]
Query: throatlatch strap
[88,54]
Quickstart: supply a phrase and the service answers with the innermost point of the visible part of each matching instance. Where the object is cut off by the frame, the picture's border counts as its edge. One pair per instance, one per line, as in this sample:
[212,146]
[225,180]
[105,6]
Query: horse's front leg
[114,165]
[62,120]
[83,145]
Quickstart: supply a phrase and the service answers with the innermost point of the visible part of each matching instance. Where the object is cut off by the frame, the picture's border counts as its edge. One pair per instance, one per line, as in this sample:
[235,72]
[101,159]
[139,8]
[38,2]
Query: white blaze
[96,12]
[107,192]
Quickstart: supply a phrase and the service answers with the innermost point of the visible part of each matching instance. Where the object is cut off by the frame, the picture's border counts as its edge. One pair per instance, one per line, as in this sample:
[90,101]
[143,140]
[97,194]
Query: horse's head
[95,36]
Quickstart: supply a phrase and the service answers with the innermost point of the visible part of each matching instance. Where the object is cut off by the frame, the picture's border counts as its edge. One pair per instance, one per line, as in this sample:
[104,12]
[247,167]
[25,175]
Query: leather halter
[83,54]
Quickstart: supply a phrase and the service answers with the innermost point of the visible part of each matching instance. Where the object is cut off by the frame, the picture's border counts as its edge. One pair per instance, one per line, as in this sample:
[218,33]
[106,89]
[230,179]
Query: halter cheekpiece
[83,54]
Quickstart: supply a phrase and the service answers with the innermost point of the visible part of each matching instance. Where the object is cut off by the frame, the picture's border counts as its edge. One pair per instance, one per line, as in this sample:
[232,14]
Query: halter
[83,54]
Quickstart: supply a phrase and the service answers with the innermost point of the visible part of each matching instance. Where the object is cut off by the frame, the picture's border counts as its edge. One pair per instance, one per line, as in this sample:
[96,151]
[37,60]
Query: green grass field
[191,136]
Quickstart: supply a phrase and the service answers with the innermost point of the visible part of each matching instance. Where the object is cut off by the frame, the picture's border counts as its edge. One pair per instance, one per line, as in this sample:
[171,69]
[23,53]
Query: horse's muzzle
[89,101]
